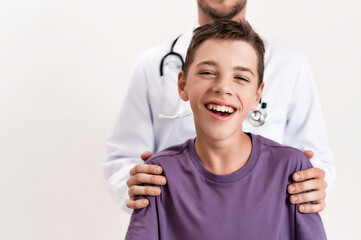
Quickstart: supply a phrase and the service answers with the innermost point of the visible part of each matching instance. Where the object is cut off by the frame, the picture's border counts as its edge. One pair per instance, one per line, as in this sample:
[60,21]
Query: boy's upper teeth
[220,108]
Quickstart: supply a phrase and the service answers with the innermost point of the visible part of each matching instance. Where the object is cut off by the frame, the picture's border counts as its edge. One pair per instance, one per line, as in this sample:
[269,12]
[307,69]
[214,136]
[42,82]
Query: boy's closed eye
[207,74]
[241,78]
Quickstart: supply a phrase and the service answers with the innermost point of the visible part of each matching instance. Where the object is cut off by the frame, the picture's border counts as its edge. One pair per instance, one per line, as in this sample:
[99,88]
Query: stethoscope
[181,113]
[256,117]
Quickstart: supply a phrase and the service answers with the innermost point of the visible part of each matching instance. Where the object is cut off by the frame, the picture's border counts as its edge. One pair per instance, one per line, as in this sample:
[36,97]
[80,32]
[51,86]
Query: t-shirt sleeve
[144,223]
[308,225]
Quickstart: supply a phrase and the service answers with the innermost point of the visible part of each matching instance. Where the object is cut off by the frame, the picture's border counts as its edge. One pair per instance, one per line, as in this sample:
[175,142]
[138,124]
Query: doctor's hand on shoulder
[140,174]
[310,186]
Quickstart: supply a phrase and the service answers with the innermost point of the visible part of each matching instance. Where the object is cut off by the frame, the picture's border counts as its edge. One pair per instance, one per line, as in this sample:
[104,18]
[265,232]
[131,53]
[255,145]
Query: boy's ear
[182,86]
[258,95]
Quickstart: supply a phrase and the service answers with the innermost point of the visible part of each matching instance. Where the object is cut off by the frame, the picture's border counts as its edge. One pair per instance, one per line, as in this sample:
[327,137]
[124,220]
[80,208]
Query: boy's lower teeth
[220,113]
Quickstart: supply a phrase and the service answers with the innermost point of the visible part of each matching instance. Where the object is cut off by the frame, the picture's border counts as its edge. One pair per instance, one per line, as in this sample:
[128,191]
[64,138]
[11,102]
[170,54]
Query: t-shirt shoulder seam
[293,149]
[167,155]
[280,146]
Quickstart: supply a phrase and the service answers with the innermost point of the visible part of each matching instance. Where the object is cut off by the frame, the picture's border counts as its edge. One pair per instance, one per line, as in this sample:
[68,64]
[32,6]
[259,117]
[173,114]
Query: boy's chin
[222,135]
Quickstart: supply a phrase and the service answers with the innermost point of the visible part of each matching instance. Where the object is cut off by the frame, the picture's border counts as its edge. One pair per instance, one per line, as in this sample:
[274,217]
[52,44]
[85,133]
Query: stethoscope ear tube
[181,114]
[171,52]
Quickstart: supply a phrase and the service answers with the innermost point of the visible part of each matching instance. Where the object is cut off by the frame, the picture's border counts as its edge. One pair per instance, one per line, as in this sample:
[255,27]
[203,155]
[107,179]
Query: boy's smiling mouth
[222,110]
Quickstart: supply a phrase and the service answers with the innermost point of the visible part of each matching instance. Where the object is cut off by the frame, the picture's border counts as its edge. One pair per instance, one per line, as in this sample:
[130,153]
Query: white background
[64,68]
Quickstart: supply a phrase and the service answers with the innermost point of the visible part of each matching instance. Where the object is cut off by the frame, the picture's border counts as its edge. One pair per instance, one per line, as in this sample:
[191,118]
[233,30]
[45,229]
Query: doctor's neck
[207,15]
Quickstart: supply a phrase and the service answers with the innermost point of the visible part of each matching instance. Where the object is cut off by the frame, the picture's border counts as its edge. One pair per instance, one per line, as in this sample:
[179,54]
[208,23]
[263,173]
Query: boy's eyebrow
[243,69]
[208,62]
[236,68]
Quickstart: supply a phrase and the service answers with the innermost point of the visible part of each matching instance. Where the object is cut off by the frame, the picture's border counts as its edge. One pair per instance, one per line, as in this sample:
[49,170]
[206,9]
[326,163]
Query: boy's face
[222,87]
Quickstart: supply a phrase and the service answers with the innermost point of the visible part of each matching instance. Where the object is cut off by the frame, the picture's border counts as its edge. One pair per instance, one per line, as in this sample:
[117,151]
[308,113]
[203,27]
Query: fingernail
[302,208]
[159,170]
[156,191]
[294,198]
[297,176]
[162,181]
[291,188]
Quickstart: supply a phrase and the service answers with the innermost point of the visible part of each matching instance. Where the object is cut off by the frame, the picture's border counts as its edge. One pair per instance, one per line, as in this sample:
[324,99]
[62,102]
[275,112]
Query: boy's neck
[226,156]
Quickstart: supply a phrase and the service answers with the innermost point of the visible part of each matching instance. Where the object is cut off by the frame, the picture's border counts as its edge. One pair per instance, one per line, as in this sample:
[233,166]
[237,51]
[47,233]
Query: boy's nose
[222,87]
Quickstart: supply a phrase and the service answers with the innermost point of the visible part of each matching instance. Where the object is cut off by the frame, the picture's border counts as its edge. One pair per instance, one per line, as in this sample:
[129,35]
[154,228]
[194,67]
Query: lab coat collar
[184,40]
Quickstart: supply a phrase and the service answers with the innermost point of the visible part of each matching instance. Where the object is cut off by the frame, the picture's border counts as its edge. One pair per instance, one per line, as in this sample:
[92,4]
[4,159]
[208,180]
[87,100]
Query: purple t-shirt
[251,203]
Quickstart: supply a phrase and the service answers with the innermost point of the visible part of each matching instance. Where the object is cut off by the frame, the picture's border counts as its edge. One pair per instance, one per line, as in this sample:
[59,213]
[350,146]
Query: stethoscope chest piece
[258,117]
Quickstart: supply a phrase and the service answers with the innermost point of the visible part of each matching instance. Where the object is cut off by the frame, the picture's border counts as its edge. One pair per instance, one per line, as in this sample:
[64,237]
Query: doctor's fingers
[308,174]
[135,190]
[313,184]
[307,197]
[309,154]
[312,208]
[145,155]
[145,168]
[143,190]
[140,178]
[137,204]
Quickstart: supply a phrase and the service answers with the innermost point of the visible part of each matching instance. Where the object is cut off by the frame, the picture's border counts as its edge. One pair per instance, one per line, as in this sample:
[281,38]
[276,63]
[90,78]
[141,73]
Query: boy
[225,184]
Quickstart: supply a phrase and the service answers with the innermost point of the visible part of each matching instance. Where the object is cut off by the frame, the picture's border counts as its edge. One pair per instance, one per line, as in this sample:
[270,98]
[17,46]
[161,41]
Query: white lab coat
[293,108]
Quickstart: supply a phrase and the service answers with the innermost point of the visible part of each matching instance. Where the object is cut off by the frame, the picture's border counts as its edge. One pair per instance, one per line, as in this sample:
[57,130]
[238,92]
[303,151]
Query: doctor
[153,117]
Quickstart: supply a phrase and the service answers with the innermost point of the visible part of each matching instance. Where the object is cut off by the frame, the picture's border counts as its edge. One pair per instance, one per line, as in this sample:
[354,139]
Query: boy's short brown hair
[227,30]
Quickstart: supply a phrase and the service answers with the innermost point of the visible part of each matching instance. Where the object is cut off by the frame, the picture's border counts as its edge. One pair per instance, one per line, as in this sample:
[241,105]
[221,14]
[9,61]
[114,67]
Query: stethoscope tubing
[169,54]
